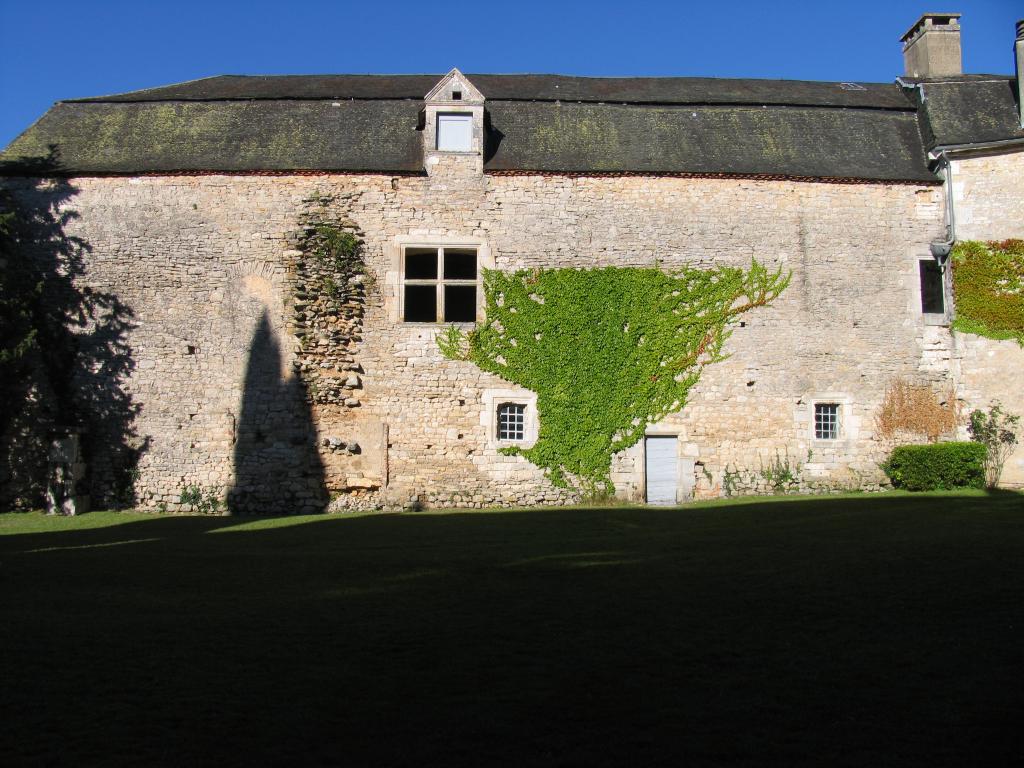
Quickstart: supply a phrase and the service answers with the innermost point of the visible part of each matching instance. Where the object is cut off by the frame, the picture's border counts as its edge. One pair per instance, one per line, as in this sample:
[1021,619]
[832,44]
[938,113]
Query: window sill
[935,319]
[466,324]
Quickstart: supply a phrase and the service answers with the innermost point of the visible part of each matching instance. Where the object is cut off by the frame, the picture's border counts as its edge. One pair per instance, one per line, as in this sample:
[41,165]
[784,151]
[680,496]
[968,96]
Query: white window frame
[438,282]
[493,399]
[838,421]
[515,425]
[464,121]
[394,255]
[849,422]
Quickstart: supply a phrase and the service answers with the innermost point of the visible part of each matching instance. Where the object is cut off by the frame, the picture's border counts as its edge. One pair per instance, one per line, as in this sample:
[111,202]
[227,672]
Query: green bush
[940,466]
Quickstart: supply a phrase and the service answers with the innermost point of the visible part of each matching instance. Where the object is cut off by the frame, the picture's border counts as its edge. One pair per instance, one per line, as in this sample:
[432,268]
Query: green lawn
[859,631]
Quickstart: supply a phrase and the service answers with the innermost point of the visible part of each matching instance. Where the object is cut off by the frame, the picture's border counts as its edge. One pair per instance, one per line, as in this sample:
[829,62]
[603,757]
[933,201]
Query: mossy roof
[968,109]
[545,123]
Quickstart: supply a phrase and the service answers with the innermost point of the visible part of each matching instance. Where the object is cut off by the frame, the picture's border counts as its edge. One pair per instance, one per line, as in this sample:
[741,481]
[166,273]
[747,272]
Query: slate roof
[967,109]
[549,123]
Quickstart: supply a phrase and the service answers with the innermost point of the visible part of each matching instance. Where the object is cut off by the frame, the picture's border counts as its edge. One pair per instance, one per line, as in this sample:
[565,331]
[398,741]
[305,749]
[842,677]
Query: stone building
[250,380]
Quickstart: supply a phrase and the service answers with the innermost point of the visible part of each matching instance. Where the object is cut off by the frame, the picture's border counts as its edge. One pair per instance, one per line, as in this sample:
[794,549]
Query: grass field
[859,631]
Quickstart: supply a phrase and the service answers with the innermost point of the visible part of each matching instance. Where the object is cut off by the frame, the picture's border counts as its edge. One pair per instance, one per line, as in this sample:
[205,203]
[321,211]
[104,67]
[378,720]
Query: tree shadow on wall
[277,467]
[64,352]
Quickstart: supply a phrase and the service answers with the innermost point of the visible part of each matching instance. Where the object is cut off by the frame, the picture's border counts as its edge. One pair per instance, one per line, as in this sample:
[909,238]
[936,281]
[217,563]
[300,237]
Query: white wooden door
[662,469]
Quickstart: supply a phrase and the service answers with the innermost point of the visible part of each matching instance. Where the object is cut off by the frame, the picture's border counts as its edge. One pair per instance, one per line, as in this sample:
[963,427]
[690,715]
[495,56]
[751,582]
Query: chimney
[1018,53]
[931,48]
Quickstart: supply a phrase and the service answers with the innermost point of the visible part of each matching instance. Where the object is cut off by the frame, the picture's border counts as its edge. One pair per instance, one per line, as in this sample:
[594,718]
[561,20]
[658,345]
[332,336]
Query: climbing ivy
[608,351]
[988,287]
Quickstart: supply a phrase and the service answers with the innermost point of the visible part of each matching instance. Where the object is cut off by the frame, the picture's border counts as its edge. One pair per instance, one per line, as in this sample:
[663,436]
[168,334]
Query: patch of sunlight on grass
[569,558]
[92,546]
[266,523]
[16,523]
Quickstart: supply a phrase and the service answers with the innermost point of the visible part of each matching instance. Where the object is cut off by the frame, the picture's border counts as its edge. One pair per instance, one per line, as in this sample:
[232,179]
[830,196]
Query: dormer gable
[453,127]
[454,89]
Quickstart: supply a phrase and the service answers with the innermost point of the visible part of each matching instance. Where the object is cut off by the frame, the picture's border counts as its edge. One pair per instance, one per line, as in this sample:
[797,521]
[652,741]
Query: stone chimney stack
[1018,52]
[931,48]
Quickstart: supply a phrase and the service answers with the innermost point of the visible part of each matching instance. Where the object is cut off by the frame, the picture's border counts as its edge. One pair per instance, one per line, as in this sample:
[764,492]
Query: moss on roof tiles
[742,140]
[633,90]
[674,125]
[226,136]
[970,110]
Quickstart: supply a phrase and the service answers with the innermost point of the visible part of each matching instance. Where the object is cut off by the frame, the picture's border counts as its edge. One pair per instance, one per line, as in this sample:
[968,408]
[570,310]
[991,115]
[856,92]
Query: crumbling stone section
[329,284]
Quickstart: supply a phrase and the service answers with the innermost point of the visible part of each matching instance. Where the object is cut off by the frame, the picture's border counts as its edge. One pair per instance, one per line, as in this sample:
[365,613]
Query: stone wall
[208,265]
[988,196]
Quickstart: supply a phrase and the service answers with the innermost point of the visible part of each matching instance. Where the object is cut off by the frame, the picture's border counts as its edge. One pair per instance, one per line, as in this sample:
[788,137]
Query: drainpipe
[940,248]
[1018,56]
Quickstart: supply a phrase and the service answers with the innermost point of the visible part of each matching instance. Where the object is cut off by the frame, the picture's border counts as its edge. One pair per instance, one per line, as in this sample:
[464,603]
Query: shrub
[997,431]
[917,409]
[941,466]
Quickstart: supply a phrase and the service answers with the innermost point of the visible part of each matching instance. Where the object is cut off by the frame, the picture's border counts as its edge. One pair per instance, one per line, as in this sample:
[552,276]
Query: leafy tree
[20,291]
[608,351]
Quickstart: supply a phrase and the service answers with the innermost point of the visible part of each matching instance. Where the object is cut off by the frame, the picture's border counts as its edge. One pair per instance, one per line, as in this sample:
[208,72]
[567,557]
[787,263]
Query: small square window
[455,132]
[512,422]
[826,421]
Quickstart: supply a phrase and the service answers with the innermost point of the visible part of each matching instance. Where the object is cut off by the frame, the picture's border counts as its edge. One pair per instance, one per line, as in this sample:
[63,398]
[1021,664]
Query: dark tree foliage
[64,355]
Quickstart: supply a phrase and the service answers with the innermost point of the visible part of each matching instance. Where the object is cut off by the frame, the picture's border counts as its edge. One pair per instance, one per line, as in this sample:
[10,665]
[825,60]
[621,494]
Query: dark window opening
[932,288]
[420,304]
[456,95]
[439,285]
[459,264]
[421,264]
[459,303]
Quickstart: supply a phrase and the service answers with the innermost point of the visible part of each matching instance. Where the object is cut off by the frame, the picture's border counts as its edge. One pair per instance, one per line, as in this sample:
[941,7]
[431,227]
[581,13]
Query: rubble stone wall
[208,265]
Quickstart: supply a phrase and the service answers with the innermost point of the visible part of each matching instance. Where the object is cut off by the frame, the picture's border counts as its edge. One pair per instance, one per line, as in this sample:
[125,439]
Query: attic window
[456,95]
[455,132]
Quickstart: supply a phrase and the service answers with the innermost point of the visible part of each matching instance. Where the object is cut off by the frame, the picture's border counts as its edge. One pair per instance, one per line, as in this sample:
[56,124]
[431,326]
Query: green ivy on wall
[988,288]
[608,351]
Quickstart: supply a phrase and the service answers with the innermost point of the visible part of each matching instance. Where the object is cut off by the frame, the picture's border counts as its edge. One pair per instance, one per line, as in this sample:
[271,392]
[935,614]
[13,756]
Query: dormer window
[455,132]
[453,128]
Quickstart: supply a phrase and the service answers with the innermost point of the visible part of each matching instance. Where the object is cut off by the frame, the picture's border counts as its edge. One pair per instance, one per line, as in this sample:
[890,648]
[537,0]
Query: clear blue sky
[57,49]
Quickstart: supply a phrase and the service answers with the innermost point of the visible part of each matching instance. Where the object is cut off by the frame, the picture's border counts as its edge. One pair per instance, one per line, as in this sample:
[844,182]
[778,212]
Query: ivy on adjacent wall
[988,288]
[608,351]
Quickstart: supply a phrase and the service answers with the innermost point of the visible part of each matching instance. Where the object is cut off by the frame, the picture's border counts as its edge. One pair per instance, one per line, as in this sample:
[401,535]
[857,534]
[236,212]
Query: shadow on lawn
[847,631]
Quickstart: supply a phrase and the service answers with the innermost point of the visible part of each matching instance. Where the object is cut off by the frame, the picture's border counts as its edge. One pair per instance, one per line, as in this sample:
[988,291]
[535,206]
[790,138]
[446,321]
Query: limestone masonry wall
[208,265]
[988,194]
